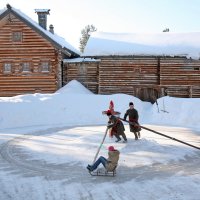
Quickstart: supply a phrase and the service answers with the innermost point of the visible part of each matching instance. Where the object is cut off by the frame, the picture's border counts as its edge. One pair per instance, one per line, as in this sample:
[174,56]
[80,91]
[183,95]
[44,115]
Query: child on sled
[110,163]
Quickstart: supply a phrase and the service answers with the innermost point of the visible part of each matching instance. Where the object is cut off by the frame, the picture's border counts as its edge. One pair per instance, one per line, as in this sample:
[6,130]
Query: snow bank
[76,105]
[176,112]
[74,87]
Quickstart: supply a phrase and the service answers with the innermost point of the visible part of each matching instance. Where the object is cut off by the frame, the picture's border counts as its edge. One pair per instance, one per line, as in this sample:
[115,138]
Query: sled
[103,172]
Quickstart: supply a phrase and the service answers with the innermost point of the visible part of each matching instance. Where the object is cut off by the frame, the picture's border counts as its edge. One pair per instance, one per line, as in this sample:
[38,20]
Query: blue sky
[69,17]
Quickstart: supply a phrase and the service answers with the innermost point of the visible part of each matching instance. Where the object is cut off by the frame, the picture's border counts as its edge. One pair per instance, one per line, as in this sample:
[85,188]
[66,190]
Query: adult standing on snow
[117,127]
[132,113]
[110,163]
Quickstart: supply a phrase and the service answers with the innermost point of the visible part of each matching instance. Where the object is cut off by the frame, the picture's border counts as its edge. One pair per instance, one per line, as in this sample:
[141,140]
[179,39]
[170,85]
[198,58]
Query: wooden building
[31,57]
[86,71]
[139,68]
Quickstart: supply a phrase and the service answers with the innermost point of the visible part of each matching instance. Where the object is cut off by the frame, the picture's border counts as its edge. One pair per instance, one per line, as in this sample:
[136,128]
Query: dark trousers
[135,130]
[137,134]
[122,134]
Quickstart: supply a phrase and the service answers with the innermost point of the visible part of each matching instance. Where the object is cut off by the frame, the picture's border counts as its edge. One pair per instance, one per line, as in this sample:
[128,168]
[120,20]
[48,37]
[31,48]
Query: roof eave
[5,13]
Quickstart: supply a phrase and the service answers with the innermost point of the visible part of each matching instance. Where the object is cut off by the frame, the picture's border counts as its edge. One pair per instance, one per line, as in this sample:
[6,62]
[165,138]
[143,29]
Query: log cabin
[31,57]
[84,70]
[147,66]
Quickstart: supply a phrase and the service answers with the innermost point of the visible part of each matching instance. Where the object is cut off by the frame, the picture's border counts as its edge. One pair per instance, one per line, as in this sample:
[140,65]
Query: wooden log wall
[147,78]
[181,77]
[33,49]
[84,72]
[194,91]
[127,74]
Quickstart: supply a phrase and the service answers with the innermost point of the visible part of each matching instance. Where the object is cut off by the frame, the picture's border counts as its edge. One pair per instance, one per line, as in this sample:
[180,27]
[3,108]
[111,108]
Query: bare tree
[85,36]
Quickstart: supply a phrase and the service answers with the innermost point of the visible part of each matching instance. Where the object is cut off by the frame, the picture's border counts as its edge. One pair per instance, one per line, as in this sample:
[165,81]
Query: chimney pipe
[42,17]
[9,6]
[51,28]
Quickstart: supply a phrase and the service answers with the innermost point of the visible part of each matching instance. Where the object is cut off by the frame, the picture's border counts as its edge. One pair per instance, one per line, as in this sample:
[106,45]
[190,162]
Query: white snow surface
[78,60]
[47,140]
[74,87]
[144,44]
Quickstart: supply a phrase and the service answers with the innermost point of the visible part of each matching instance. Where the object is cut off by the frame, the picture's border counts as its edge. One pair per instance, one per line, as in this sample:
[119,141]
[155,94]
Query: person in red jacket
[132,113]
[116,126]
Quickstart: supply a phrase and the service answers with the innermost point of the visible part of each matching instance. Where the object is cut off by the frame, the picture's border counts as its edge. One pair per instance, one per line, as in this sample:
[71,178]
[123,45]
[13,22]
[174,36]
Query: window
[17,36]
[190,67]
[45,67]
[82,69]
[7,68]
[196,68]
[137,70]
[26,67]
[187,67]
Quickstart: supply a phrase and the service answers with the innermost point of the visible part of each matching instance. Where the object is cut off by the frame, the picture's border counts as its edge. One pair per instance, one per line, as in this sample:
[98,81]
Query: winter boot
[89,168]
[136,135]
[119,139]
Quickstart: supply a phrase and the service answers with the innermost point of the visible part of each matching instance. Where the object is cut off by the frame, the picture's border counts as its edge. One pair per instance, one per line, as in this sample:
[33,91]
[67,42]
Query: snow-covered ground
[47,140]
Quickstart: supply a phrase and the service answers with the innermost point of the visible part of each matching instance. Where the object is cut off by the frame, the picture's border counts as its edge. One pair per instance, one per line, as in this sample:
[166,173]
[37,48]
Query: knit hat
[131,104]
[111,106]
[111,148]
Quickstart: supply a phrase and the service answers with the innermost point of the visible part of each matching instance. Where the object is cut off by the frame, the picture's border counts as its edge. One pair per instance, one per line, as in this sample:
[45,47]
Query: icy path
[46,165]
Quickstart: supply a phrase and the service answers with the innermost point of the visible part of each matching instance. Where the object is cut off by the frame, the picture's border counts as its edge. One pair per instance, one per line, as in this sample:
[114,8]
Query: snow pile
[76,105]
[173,111]
[74,87]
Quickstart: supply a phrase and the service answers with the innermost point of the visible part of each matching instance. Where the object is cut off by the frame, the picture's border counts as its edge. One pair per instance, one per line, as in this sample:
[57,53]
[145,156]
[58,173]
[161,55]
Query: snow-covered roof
[2,10]
[144,44]
[42,10]
[53,37]
[78,60]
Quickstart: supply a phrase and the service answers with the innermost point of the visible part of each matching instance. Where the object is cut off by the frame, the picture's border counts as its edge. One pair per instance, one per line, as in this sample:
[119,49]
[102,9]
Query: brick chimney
[51,28]
[42,17]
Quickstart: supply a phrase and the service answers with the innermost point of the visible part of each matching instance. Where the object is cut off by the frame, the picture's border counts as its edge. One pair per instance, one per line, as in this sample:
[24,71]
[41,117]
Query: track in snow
[15,160]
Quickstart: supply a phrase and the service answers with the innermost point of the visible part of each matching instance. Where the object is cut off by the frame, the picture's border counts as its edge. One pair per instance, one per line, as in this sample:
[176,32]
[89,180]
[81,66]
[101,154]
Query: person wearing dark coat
[132,113]
[110,163]
[117,127]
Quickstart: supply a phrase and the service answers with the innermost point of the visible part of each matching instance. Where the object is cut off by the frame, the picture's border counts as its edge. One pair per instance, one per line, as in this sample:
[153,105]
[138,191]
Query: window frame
[42,67]
[4,68]
[24,65]
[17,36]
[82,69]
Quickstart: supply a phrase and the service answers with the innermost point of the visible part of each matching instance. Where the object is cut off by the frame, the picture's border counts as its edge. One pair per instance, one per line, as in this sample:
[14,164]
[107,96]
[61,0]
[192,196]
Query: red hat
[111,148]
[111,105]
[108,112]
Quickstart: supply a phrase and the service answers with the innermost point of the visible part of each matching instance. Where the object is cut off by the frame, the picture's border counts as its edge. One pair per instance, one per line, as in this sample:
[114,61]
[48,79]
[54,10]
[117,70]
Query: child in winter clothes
[110,163]
[132,113]
[117,127]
